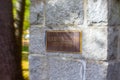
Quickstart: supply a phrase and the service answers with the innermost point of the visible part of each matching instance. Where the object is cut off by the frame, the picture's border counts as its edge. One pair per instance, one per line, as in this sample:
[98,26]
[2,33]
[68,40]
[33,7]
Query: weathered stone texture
[104,11]
[113,39]
[100,39]
[37,12]
[64,12]
[57,12]
[113,71]
[97,11]
[38,68]
[96,70]
[118,53]
[62,68]
[56,68]
[65,69]
[94,42]
[100,70]
[114,12]
[37,40]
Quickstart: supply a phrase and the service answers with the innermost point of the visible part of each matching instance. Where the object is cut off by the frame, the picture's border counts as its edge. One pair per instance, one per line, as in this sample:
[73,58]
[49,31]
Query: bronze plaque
[63,41]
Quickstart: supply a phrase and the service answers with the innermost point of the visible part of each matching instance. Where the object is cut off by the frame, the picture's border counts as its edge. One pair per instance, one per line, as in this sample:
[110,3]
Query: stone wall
[99,21]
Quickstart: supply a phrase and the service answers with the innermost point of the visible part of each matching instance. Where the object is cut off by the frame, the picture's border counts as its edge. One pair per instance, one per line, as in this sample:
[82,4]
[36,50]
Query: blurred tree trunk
[10,60]
[20,9]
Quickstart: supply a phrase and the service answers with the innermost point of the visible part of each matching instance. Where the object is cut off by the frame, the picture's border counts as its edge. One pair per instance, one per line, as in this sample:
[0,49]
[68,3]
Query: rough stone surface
[104,11]
[98,43]
[100,58]
[38,68]
[114,12]
[113,71]
[113,39]
[56,68]
[37,12]
[62,12]
[37,40]
[100,70]
[118,57]
[61,68]
[97,11]
[96,70]
[94,42]
[64,69]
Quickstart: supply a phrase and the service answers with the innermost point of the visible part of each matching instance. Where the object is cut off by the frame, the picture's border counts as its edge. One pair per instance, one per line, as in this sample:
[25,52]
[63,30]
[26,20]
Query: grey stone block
[113,40]
[97,11]
[100,70]
[37,12]
[104,11]
[64,12]
[95,43]
[56,68]
[101,43]
[118,57]
[62,68]
[113,71]
[38,68]
[37,40]
[114,12]
[96,70]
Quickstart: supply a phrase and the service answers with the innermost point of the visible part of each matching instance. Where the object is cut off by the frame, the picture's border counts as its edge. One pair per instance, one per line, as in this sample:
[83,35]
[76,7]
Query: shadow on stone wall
[113,72]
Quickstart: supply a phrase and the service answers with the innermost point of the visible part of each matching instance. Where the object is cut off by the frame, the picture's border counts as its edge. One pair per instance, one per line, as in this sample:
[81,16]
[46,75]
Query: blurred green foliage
[27,13]
[25,64]
[25,48]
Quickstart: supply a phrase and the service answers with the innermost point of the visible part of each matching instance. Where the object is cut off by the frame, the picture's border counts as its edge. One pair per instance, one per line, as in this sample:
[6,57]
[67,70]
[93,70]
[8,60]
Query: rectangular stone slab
[65,41]
[66,69]
[56,68]
[64,12]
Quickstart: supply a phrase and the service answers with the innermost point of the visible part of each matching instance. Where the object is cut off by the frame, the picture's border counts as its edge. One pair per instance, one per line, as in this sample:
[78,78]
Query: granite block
[113,13]
[95,43]
[56,68]
[37,12]
[113,40]
[113,71]
[64,12]
[118,53]
[96,70]
[62,68]
[103,70]
[65,69]
[38,68]
[97,11]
